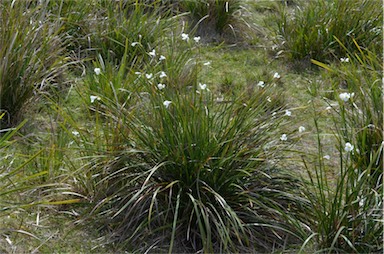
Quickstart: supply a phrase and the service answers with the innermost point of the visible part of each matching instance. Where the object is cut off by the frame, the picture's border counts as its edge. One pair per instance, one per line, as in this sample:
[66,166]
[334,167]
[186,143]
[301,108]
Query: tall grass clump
[310,29]
[170,167]
[347,210]
[215,20]
[30,53]
[13,184]
[195,175]
[162,162]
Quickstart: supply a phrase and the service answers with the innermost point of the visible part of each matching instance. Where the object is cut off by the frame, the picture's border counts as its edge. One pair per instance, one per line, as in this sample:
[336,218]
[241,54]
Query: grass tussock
[217,20]
[31,52]
[312,28]
[200,170]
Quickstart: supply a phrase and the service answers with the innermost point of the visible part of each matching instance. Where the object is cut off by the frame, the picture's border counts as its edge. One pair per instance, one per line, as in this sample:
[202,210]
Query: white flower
[152,53]
[361,201]
[301,129]
[288,113]
[376,30]
[269,99]
[202,86]
[161,58]
[276,75]
[185,37]
[8,241]
[75,133]
[97,71]
[160,86]
[162,74]
[138,73]
[207,63]
[196,39]
[344,59]
[134,43]
[167,103]
[371,126]
[149,76]
[261,84]
[283,137]
[345,96]
[93,98]
[327,157]
[348,147]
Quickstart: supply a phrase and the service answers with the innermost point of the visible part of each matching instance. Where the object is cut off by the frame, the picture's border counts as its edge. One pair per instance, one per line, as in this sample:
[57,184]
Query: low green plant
[347,211]
[30,49]
[310,30]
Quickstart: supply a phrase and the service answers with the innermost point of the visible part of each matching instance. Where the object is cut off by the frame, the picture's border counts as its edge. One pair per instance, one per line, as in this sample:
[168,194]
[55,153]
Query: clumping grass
[13,177]
[216,20]
[31,57]
[196,172]
[311,30]
[163,149]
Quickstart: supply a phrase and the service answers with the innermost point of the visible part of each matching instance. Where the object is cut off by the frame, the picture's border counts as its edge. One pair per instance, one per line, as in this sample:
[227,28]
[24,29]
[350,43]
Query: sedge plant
[188,172]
